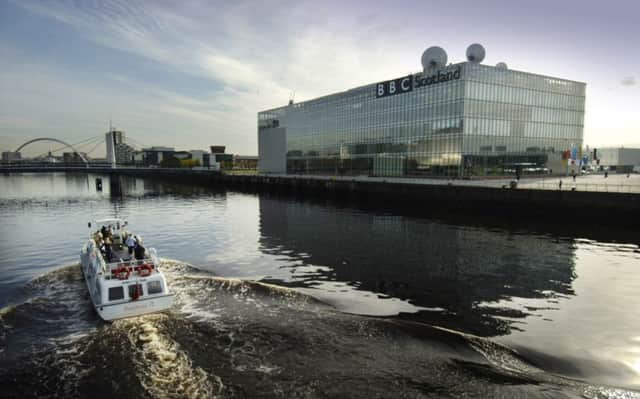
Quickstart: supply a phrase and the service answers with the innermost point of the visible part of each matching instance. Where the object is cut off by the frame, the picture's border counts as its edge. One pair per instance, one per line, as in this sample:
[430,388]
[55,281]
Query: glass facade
[468,119]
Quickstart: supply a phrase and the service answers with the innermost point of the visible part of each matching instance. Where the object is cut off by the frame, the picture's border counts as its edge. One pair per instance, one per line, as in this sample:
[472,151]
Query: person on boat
[108,233]
[139,249]
[131,243]
[99,242]
[107,249]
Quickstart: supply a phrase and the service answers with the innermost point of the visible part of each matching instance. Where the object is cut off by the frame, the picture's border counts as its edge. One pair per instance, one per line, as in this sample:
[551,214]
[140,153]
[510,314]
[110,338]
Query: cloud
[237,58]
[628,81]
[254,55]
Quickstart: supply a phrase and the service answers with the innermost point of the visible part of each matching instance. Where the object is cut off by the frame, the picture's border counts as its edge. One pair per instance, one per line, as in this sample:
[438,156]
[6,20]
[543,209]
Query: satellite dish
[501,65]
[475,53]
[434,57]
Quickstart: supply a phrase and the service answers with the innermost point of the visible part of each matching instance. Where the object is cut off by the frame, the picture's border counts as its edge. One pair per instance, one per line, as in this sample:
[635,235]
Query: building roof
[369,86]
[159,148]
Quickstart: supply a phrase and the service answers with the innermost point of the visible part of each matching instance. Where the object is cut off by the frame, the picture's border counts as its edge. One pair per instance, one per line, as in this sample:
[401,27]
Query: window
[116,293]
[132,290]
[154,287]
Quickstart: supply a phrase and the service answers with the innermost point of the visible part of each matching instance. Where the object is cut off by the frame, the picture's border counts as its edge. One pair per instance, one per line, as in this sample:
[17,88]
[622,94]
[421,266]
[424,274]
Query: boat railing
[131,266]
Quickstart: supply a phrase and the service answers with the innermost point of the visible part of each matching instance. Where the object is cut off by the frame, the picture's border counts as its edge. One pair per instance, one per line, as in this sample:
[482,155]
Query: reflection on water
[567,304]
[431,264]
[46,186]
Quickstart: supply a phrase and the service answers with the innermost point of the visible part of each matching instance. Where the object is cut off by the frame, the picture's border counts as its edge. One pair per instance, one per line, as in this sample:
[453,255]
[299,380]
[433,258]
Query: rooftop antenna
[433,58]
[475,53]
[292,97]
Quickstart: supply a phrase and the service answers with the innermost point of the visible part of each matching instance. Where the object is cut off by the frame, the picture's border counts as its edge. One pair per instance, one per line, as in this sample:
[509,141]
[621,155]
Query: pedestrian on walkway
[560,185]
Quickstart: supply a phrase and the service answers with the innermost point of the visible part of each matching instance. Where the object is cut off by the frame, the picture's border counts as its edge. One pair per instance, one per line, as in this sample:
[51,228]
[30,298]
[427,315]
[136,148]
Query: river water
[285,297]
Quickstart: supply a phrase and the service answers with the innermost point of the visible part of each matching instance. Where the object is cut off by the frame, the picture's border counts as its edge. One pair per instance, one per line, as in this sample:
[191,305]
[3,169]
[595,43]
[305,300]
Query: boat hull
[114,311]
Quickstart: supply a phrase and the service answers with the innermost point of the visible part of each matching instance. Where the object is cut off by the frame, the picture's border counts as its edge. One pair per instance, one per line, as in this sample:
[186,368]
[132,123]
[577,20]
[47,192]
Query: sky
[191,74]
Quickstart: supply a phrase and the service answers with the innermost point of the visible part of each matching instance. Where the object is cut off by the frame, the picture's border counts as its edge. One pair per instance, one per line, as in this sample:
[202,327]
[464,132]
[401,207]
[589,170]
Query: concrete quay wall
[562,206]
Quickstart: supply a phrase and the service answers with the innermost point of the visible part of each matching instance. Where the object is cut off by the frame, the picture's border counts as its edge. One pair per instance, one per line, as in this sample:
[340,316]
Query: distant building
[245,162]
[223,160]
[203,157]
[117,148]
[223,157]
[217,149]
[182,155]
[621,160]
[155,155]
[118,136]
[138,158]
[172,158]
[219,157]
[10,156]
[124,154]
[207,163]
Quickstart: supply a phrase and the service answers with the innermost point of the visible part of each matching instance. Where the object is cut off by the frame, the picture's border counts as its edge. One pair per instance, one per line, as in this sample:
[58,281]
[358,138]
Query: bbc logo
[396,86]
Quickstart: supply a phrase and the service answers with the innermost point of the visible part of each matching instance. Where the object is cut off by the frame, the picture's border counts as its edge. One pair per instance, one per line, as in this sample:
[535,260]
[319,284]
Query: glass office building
[462,120]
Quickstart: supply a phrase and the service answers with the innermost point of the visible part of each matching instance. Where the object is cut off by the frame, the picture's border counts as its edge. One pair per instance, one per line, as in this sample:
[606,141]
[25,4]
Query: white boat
[119,284]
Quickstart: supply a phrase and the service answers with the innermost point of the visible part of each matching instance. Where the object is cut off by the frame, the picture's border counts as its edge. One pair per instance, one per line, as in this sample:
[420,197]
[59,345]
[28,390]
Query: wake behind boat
[123,278]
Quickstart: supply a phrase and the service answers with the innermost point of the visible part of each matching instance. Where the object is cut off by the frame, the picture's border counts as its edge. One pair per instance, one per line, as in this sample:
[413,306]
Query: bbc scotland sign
[406,84]
[396,86]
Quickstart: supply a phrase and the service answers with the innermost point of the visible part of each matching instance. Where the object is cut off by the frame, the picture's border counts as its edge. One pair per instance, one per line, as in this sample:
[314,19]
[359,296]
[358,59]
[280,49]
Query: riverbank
[608,203]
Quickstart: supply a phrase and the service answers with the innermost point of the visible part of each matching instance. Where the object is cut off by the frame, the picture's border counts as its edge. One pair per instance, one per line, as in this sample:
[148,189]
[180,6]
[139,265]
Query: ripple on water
[261,336]
[164,370]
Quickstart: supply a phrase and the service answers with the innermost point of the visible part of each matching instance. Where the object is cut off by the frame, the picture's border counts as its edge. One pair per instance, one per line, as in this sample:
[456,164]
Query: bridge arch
[57,141]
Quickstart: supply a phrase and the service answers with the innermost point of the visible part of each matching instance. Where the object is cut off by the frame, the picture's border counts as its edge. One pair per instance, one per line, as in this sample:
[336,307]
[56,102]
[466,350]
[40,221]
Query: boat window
[116,293]
[132,290]
[154,287]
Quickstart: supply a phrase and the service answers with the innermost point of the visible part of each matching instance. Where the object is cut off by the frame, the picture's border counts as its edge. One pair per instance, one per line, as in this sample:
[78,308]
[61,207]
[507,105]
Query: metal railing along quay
[615,183]
[568,185]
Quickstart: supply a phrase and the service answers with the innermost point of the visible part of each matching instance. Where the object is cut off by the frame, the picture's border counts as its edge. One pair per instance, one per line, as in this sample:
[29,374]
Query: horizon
[197,75]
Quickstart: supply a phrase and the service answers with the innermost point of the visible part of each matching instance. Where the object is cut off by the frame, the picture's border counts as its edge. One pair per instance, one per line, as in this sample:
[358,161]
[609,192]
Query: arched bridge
[57,141]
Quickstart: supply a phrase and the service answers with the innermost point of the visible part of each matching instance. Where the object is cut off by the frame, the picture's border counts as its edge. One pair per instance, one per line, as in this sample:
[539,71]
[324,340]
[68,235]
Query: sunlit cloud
[248,68]
[211,66]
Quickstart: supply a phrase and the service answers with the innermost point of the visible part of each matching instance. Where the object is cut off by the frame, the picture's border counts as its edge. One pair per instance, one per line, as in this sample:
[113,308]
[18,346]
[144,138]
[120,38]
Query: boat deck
[120,253]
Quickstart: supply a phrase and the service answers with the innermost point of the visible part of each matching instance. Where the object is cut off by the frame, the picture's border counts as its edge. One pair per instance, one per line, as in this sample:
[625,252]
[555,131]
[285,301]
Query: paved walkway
[595,182]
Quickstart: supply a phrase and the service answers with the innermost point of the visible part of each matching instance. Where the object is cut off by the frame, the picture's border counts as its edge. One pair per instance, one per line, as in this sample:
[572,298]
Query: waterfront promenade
[597,182]
[614,183]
